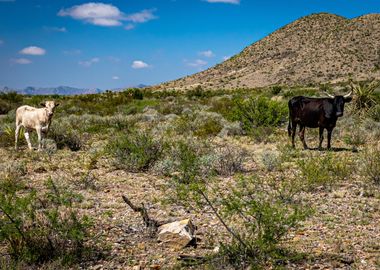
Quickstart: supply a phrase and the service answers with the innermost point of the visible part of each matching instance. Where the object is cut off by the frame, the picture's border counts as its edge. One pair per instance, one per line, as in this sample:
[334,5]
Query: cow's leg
[26,134]
[329,133]
[320,137]
[294,128]
[39,135]
[302,136]
[17,133]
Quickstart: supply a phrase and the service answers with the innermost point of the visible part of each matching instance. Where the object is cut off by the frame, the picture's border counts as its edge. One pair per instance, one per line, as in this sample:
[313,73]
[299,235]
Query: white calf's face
[50,106]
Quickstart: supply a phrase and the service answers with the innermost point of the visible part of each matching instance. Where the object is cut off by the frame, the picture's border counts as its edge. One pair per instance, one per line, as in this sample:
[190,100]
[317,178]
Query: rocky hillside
[318,48]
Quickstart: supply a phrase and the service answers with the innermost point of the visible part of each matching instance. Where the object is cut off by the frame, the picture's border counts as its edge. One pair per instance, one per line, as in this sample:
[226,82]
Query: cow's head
[49,106]
[337,107]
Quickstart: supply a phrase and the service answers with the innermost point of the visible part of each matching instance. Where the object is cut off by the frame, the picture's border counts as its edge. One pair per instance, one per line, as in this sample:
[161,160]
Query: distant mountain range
[62,90]
[319,48]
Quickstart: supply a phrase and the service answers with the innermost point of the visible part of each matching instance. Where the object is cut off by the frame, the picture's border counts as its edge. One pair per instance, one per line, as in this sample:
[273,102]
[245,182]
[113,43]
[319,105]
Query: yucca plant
[364,95]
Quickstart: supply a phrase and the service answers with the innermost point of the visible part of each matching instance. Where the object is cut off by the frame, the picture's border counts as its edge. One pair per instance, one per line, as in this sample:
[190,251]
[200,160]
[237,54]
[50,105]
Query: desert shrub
[228,160]
[260,111]
[12,97]
[136,151]
[262,134]
[223,105]
[188,157]
[168,108]
[137,106]
[5,107]
[322,171]
[374,112]
[270,160]
[37,227]
[231,129]
[264,219]
[13,170]
[260,216]
[276,89]
[371,164]
[65,136]
[207,125]
[197,92]
[134,93]
[355,137]
[201,123]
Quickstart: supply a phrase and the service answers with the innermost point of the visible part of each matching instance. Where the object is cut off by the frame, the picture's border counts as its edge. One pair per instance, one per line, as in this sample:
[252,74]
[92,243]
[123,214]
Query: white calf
[34,118]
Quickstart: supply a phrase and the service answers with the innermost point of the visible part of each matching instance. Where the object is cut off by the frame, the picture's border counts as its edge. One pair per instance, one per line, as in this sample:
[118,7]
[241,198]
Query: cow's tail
[290,121]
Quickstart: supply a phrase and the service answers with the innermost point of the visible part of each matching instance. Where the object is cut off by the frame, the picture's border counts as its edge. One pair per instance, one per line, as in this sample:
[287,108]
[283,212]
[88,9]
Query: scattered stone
[177,234]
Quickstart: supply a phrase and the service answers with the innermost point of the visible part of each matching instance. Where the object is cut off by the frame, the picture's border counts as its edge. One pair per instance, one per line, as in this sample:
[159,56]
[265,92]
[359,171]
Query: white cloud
[199,63]
[94,13]
[115,77]
[106,22]
[236,2]
[129,26]
[225,58]
[55,29]
[90,62]
[142,16]
[21,61]
[207,53]
[138,64]
[105,14]
[33,50]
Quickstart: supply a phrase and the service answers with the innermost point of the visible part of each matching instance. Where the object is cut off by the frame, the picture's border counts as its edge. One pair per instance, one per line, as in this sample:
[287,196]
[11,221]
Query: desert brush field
[221,158]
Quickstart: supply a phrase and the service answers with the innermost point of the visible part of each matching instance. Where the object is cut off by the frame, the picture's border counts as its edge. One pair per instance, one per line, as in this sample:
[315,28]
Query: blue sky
[112,44]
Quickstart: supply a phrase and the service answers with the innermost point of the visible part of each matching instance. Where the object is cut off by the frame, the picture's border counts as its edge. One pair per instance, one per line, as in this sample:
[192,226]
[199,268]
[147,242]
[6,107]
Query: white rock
[177,234]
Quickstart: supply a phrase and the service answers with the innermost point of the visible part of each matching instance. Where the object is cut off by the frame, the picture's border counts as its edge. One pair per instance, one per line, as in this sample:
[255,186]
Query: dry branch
[149,223]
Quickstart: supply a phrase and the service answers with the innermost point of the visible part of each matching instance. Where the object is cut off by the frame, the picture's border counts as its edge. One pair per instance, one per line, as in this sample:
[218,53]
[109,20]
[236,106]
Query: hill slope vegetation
[320,48]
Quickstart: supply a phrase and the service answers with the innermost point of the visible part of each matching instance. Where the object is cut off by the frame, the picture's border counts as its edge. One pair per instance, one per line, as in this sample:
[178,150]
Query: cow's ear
[43,104]
[347,99]
[328,108]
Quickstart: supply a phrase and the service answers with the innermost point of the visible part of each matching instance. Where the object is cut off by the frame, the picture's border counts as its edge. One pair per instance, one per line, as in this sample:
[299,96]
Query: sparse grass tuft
[371,164]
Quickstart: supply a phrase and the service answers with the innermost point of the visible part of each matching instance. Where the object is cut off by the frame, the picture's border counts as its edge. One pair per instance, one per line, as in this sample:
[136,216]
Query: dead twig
[149,223]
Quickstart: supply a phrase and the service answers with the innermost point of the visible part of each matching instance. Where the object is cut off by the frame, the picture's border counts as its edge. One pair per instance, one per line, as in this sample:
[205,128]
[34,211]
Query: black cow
[313,113]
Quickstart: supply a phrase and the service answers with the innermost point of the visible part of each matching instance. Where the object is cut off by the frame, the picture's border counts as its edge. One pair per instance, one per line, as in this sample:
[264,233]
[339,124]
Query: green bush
[276,89]
[136,151]
[261,215]
[322,171]
[264,219]
[208,127]
[134,93]
[12,97]
[5,107]
[65,137]
[37,227]
[259,112]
